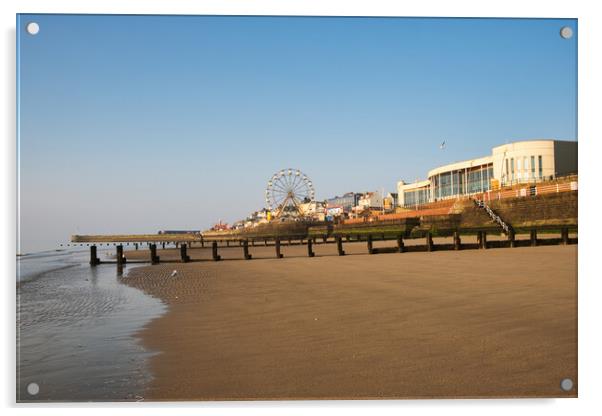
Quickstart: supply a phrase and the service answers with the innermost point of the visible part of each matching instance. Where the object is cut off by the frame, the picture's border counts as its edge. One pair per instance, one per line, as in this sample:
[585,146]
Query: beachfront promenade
[449,225]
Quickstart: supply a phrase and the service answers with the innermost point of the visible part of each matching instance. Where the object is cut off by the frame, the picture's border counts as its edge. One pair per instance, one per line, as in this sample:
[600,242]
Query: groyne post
[511,238]
[202,242]
[216,257]
[457,241]
[278,253]
[153,253]
[340,245]
[564,236]
[265,242]
[533,237]
[400,246]
[227,243]
[369,244]
[325,238]
[163,245]
[136,246]
[310,252]
[429,242]
[245,249]
[183,255]
[120,257]
[483,239]
[94,260]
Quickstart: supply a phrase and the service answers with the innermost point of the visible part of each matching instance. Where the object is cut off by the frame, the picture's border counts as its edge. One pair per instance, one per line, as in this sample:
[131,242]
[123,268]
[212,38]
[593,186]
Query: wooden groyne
[137,238]
[534,239]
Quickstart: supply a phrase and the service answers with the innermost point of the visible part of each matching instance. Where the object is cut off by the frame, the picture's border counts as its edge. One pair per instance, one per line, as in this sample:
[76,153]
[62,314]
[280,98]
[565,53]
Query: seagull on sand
[174,273]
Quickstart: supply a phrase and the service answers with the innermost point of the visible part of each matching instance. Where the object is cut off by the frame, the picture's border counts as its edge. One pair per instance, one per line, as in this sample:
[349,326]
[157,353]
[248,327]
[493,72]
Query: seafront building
[390,201]
[527,161]
[370,200]
[343,203]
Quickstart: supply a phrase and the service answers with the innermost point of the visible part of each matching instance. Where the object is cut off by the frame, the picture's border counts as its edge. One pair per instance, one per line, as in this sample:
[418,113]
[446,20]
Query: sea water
[76,328]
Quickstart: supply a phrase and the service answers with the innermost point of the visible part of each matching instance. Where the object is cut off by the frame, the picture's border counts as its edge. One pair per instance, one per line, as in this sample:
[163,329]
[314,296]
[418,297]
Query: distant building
[238,225]
[370,200]
[335,211]
[346,202]
[390,201]
[519,162]
[179,232]
[261,214]
[220,226]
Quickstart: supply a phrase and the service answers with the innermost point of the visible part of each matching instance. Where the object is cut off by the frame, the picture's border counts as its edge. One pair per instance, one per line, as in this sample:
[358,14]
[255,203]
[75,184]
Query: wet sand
[75,331]
[475,323]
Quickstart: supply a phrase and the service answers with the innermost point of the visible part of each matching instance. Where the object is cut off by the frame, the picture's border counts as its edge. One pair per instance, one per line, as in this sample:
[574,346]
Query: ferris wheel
[286,192]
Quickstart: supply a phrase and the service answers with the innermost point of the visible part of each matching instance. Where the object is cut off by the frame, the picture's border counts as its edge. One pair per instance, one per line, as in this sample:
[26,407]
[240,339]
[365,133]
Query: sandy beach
[473,323]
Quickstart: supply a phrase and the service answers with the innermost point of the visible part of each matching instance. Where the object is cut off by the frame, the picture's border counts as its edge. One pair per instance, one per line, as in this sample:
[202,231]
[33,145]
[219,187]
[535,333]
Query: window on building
[455,183]
[540,167]
[483,179]
[445,184]
[409,198]
[420,193]
[474,181]
[512,169]
[532,167]
[507,175]
[415,197]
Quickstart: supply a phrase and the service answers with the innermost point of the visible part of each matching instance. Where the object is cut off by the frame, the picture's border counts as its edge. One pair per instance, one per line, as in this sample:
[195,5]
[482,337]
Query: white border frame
[590,288]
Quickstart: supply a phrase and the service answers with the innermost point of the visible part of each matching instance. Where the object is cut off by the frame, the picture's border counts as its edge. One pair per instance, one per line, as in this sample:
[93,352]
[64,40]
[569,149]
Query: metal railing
[495,217]
[529,190]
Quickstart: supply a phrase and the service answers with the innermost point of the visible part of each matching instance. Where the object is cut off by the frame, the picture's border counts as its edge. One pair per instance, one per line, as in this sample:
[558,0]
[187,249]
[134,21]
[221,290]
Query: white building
[412,194]
[335,211]
[371,200]
[536,160]
[512,163]
[311,208]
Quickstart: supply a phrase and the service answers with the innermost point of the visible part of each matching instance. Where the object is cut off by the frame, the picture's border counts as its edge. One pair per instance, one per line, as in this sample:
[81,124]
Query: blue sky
[140,123]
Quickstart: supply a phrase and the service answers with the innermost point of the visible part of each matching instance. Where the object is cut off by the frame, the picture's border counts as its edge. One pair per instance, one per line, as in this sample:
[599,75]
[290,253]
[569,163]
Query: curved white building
[518,162]
[534,160]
